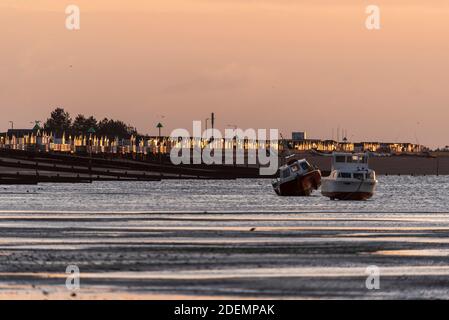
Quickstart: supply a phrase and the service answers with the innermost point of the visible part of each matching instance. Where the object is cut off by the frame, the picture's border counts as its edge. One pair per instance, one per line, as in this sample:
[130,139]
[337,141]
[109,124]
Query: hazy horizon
[293,65]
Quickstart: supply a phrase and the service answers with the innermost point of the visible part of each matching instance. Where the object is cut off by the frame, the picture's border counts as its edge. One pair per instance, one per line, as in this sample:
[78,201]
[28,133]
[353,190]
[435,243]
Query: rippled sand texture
[222,239]
[174,256]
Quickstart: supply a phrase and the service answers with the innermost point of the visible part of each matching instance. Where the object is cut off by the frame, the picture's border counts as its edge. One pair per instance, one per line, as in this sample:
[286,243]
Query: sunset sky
[288,64]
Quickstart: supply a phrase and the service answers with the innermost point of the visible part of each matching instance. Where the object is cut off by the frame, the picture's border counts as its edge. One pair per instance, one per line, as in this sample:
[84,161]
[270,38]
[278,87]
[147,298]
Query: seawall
[393,165]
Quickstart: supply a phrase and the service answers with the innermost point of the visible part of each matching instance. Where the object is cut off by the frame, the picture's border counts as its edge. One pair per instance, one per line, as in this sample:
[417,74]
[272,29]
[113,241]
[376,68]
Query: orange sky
[288,64]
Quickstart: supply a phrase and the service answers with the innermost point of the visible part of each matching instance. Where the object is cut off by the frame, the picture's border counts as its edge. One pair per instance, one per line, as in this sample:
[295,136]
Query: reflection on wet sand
[306,255]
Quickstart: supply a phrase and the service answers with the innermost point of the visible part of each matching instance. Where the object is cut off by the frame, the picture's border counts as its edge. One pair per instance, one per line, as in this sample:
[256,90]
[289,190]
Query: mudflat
[200,256]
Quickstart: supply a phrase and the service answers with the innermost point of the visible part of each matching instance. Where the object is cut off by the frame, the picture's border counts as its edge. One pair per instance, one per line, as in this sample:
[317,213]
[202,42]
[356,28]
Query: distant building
[19,132]
[35,139]
[299,136]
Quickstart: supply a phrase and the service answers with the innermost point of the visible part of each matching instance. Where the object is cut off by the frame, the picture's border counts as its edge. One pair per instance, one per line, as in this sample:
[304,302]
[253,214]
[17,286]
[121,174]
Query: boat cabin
[350,162]
[353,175]
[294,168]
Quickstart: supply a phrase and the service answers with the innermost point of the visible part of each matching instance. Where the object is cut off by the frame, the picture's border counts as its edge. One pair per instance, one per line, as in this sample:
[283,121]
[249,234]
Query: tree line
[60,122]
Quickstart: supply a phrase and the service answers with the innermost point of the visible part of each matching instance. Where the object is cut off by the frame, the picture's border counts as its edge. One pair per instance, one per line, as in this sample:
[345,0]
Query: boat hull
[300,186]
[348,190]
[349,196]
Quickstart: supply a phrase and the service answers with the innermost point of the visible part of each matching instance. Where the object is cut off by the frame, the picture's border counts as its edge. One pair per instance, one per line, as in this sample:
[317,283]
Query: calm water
[395,194]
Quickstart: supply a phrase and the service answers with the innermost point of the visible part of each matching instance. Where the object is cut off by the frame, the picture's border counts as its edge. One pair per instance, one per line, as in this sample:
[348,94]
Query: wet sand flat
[198,256]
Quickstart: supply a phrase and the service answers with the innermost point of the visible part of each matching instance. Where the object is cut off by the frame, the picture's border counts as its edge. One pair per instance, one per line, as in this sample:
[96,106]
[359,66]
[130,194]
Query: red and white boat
[297,178]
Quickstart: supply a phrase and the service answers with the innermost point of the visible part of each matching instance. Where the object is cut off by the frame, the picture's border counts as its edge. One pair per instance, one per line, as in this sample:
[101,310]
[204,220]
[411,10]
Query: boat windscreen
[344,175]
[305,166]
[341,159]
[359,176]
[285,173]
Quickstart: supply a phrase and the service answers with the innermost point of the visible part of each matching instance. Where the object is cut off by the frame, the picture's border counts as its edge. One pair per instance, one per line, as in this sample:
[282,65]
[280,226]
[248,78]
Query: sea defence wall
[410,165]
[25,167]
[393,165]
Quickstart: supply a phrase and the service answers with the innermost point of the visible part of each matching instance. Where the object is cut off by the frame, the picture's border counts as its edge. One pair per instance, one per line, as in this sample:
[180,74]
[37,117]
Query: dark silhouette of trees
[115,128]
[81,125]
[59,122]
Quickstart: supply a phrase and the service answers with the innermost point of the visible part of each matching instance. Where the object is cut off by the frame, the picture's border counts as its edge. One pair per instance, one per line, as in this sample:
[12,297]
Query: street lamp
[91,132]
[159,126]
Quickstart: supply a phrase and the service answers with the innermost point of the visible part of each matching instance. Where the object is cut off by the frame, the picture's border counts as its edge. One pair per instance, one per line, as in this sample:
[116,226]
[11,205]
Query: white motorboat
[350,178]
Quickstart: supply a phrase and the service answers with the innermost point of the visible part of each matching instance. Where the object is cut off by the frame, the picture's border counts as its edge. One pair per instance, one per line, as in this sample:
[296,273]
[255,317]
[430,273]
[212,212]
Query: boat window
[305,166]
[349,159]
[341,159]
[344,175]
[359,176]
[285,173]
[294,167]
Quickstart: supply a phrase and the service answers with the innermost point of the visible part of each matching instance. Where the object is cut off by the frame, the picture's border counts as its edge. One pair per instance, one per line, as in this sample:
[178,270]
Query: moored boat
[350,178]
[297,178]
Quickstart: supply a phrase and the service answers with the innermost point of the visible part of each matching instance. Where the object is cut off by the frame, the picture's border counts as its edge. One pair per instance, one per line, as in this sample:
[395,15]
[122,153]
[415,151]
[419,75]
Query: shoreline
[31,168]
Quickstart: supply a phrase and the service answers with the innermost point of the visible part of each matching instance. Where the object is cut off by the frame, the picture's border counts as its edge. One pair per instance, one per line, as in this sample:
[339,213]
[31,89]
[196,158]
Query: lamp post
[91,131]
[212,121]
[159,126]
